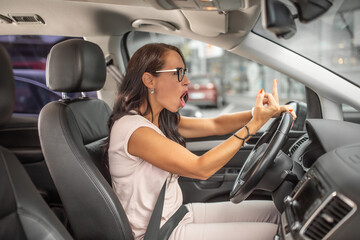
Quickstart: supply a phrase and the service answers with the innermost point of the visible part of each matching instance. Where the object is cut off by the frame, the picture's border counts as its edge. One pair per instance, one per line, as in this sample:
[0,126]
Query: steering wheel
[261,157]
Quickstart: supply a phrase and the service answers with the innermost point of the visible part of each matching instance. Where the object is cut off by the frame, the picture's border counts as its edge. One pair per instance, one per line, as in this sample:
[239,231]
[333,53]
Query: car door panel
[20,136]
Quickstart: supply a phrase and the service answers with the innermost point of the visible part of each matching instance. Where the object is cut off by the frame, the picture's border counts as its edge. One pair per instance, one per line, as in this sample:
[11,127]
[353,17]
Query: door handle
[214,181]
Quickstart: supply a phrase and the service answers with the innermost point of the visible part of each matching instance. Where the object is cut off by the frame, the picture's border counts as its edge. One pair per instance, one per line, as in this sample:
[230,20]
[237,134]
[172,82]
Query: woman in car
[146,147]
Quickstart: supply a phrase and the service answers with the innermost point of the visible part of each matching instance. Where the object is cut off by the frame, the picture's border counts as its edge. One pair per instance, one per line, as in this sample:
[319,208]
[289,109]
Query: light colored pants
[248,220]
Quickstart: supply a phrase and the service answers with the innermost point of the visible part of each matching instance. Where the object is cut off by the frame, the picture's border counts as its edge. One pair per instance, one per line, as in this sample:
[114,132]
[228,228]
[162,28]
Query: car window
[24,102]
[221,82]
[28,56]
[46,95]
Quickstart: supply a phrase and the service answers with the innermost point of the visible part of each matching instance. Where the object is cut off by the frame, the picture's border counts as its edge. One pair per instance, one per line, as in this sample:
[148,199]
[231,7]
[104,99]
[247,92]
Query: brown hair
[132,91]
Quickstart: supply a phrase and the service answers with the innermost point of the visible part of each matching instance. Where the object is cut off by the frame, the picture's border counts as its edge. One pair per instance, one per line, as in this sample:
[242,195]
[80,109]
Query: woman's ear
[148,80]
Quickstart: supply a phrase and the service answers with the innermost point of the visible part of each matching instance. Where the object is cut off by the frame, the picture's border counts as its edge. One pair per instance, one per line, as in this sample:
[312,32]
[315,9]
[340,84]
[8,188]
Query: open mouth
[184,98]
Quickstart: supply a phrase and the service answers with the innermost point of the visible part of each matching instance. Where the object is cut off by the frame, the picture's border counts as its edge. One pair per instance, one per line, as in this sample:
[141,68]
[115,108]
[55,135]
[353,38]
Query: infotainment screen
[307,195]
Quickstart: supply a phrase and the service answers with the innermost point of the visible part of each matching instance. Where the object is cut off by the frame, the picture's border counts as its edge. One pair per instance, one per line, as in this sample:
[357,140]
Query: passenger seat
[23,214]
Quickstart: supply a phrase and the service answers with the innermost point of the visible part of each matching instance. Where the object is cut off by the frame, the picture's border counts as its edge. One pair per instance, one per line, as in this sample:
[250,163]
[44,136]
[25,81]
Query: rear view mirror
[277,18]
[310,9]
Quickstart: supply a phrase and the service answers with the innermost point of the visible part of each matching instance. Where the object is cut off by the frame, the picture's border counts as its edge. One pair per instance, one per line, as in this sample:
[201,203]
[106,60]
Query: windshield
[333,40]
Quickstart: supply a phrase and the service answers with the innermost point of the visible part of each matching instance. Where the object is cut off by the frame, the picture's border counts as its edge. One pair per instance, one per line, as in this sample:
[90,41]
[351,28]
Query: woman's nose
[186,80]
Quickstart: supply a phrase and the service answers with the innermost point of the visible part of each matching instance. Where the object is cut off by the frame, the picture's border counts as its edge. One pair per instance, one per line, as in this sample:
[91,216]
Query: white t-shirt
[137,183]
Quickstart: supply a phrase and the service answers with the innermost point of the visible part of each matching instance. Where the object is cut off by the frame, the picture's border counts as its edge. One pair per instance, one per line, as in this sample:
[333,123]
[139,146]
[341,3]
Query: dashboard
[324,204]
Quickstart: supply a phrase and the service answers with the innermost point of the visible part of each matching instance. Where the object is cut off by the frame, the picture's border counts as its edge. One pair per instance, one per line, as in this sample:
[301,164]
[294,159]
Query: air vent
[5,19]
[297,144]
[330,217]
[27,19]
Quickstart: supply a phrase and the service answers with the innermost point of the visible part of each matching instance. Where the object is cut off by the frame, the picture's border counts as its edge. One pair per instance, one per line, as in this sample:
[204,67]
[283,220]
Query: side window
[46,95]
[28,56]
[221,82]
[24,102]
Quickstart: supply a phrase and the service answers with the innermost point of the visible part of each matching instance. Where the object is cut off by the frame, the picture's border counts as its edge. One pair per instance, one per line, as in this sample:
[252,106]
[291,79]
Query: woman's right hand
[263,112]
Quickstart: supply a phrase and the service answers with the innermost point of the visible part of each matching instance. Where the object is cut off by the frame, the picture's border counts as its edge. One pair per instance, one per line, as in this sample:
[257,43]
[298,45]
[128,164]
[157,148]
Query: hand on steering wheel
[261,157]
[265,107]
[282,108]
[266,149]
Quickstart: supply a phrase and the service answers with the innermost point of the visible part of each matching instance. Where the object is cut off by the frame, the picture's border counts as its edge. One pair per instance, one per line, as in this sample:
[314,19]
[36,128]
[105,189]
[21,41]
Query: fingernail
[290,110]
[276,80]
[261,91]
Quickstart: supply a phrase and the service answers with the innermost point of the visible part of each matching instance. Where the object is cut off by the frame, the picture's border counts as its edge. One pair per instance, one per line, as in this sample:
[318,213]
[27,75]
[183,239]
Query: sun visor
[217,22]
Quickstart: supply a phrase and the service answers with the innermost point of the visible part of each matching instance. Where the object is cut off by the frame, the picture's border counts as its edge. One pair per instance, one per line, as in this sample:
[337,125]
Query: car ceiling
[224,27]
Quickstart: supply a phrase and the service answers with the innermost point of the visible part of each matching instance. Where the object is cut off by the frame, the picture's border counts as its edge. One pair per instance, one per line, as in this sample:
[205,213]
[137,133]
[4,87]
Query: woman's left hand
[282,108]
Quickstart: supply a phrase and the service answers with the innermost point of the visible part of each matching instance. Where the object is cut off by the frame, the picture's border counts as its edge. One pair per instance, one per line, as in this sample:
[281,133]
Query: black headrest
[7,87]
[75,65]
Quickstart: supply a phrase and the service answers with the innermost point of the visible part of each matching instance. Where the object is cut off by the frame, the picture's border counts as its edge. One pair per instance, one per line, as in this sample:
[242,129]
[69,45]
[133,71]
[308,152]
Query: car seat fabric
[24,214]
[72,133]
[75,65]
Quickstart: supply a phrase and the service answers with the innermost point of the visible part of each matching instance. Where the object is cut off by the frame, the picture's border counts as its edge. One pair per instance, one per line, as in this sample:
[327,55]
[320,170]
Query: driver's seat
[72,132]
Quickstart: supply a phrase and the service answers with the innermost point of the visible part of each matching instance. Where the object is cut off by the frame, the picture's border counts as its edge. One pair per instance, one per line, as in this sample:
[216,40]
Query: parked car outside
[205,90]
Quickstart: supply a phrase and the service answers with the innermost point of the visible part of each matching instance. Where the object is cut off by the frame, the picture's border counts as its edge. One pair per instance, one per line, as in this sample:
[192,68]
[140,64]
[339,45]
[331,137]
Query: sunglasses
[180,72]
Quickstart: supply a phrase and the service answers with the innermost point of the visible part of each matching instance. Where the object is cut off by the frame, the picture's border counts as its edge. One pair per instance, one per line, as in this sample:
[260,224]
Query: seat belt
[170,225]
[114,71]
[153,231]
